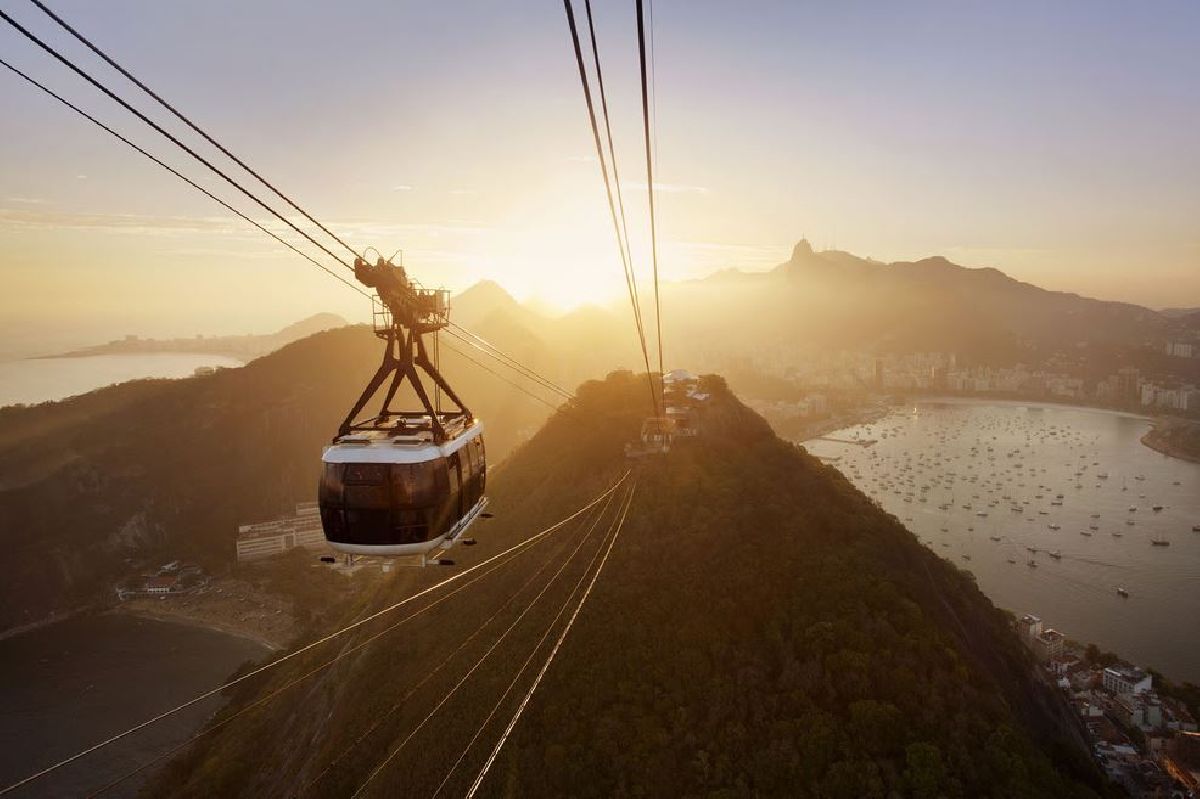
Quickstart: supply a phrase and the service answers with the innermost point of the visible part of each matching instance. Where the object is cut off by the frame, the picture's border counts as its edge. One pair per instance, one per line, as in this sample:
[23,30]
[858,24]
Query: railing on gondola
[431,307]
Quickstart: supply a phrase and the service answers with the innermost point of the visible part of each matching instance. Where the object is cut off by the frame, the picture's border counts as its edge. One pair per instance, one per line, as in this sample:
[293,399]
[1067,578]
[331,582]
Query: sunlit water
[940,466]
[35,380]
[71,684]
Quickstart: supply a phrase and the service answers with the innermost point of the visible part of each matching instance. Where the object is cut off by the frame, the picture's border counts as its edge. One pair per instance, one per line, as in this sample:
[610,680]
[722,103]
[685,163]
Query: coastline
[1159,439]
[175,616]
[1048,402]
[859,416]
[46,621]
[788,430]
[226,605]
[235,355]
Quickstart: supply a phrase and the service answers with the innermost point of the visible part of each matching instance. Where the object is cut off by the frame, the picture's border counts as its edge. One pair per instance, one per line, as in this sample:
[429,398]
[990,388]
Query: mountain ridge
[762,629]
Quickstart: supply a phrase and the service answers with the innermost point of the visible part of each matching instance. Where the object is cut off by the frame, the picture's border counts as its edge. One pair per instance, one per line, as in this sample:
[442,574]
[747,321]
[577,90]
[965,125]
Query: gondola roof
[388,446]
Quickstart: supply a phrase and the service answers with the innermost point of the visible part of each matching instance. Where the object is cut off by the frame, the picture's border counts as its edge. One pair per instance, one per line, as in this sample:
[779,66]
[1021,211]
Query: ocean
[955,471]
[33,380]
[71,684]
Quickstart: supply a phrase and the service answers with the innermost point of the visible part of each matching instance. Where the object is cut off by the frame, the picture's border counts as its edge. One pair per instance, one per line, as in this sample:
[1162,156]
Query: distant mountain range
[245,347]
[833,300]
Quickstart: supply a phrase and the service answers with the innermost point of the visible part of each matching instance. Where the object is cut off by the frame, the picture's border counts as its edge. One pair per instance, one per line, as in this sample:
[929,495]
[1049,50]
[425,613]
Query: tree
[925,774]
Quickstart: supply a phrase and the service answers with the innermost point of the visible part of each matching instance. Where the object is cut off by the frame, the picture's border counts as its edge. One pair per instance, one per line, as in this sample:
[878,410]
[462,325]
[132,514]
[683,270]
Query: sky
[1055,141]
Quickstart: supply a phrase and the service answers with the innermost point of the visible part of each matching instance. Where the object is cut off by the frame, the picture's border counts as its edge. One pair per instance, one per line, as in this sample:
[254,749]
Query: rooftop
[1130,673]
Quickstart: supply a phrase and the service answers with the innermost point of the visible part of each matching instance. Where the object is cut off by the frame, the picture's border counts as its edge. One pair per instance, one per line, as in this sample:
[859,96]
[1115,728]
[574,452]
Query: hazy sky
[1057,141]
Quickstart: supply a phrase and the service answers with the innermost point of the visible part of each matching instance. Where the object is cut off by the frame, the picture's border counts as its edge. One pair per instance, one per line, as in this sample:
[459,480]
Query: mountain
[834,299]
[486,299]
[830,301]
[317,323]
[760,629]
[95,486]
[245,347]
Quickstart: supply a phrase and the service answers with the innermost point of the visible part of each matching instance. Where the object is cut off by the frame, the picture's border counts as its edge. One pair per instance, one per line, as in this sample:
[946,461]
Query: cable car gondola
[403,482]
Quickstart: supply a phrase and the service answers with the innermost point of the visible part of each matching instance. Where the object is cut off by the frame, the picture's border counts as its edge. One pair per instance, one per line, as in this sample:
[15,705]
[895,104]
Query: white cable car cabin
[403,482]
[397,492]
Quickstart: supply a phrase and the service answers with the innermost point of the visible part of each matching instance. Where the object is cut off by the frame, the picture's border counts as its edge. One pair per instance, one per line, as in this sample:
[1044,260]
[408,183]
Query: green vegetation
[1178,438]
[127,477]
[1094,656]
[761,629]
[1186,692]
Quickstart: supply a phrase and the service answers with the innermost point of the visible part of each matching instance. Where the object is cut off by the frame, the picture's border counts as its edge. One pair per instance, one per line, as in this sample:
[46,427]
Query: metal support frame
[405,312]
[404,358]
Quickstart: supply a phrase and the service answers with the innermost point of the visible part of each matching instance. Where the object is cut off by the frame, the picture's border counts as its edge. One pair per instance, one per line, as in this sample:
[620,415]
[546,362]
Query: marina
[1106,526]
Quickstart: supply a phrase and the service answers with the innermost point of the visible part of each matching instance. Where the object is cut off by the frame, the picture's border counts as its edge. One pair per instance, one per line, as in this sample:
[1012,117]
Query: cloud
[703,257]
[366,230]
[464,192]
[402,187]
[118,223]
[26,200]
[666,188]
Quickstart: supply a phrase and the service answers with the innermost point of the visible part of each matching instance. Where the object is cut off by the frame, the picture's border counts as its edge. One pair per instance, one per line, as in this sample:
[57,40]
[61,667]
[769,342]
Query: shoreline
[1043,401]
[242,357]
[868,416]
[189,620]
[47,621]
[170,615]
[1152,441]
[860,416]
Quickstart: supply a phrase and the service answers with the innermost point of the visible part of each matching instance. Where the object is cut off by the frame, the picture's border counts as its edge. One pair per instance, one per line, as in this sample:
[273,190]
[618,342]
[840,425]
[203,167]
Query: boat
[1088,533]
[1032,563]
[1056,555]
[1012,560]
[1159,542]
[1056,527]
[1121,591]
[1117,535]
[995,537]
[1157,508]
[1196,528]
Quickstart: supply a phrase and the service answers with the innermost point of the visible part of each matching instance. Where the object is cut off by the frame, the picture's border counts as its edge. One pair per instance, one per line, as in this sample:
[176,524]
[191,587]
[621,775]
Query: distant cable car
[655,438]
[403,482]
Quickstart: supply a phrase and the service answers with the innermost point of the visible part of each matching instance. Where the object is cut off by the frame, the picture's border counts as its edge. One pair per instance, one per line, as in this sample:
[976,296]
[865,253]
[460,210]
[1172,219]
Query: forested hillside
[92,486]
[761,628]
